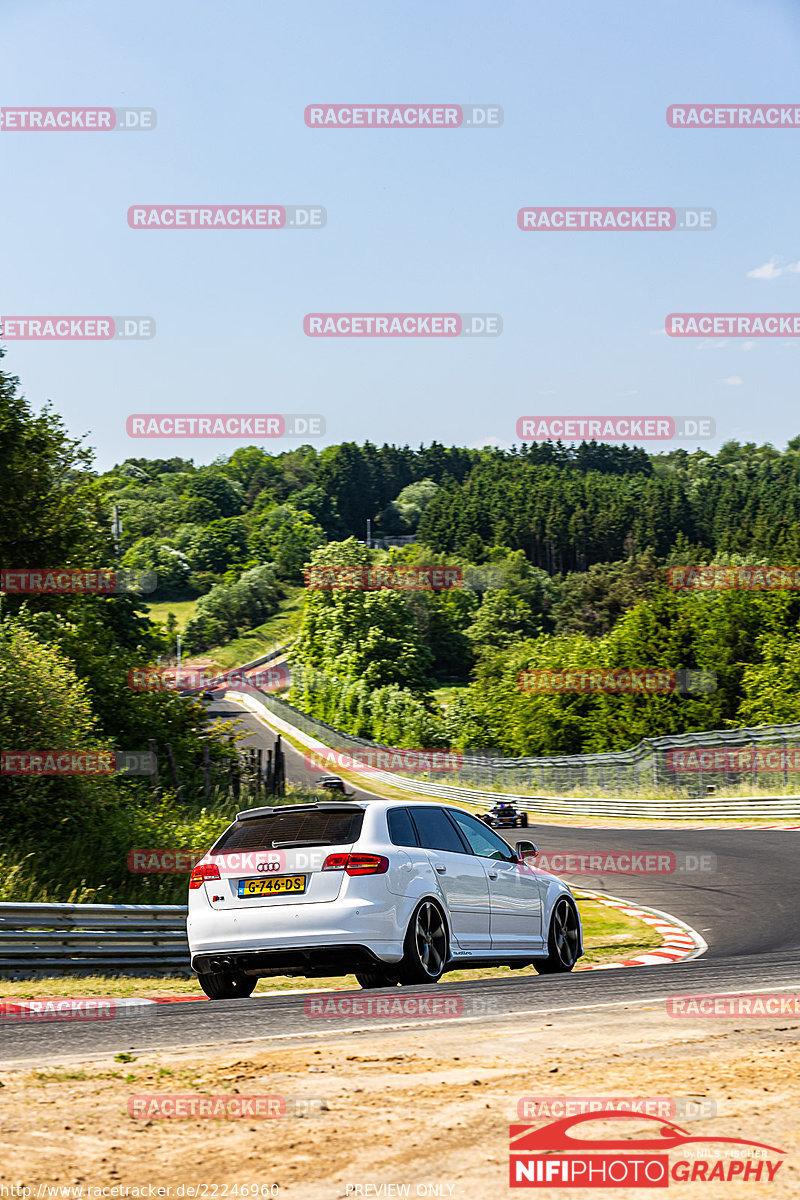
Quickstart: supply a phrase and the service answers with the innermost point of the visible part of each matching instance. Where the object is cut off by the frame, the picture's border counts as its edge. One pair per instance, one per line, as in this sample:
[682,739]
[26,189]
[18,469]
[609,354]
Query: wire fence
[765,759]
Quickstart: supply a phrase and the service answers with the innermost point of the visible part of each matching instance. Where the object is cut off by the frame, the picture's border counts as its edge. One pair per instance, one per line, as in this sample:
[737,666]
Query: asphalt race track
[747,908]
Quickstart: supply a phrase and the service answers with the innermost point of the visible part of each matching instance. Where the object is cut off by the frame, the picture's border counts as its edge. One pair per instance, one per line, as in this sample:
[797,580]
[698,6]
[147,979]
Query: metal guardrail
[41,938]
[506,775]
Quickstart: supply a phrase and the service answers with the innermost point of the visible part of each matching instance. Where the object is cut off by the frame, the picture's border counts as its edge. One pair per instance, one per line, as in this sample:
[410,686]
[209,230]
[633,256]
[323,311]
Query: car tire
[563,939]
[376,979]
[227,985]
[426,946]
[524,820]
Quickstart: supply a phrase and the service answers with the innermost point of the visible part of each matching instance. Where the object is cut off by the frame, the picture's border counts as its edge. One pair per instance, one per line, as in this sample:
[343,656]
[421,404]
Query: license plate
[272,885]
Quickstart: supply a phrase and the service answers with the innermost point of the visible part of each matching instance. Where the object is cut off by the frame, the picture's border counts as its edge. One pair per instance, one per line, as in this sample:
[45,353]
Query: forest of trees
[64,663]
[578,540]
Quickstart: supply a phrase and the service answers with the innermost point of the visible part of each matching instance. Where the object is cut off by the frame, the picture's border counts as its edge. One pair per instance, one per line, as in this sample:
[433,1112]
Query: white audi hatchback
[397,893]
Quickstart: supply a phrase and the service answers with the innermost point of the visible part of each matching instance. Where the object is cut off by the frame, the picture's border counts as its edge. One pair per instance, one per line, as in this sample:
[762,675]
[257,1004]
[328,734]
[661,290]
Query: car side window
[401,829]
[436,831]
[482,841]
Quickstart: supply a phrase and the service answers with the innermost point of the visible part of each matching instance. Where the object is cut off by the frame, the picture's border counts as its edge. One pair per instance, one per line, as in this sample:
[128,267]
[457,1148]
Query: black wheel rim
[565,933]
[431,939]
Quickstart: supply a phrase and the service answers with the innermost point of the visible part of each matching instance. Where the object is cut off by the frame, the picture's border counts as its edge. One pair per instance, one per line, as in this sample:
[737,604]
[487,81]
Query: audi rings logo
[268,866]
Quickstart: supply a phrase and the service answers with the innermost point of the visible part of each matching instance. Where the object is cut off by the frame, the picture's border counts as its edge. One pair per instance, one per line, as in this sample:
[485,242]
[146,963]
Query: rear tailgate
[276,858]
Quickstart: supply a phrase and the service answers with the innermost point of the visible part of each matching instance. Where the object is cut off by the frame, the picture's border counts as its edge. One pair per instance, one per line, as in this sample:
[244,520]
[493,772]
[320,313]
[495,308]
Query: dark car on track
[332,783]
[505,815]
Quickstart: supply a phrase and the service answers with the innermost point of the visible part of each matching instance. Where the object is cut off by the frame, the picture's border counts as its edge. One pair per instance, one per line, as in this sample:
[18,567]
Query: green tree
[52,505]
[224,494]
[220,545]
[44,706]
[287,538]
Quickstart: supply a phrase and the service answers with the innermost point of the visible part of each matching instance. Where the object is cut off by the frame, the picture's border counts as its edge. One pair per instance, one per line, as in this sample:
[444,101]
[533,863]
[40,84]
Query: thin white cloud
[732,380]
[548,392]
[632,392]
[768,271]
[771,270]
[711,344]
[748,345]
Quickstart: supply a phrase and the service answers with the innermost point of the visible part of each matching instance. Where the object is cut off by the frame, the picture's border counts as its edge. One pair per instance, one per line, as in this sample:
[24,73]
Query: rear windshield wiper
[299,842]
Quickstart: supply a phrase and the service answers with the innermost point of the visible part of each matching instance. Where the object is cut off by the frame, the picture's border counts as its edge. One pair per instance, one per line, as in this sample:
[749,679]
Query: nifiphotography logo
[550,1156]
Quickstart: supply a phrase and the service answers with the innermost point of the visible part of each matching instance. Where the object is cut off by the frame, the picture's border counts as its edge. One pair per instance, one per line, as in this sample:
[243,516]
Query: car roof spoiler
[248,814]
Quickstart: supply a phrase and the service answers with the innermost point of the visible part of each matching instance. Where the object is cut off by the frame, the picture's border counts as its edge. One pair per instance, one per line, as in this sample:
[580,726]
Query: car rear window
[315,828]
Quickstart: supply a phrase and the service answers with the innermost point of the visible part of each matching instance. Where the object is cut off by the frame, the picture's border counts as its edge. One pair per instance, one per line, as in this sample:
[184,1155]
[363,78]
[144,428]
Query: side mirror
[526,850]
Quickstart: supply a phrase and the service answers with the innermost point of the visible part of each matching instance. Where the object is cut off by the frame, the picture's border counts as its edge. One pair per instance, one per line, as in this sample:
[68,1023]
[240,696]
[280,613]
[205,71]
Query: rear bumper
[308,960]
[300,939]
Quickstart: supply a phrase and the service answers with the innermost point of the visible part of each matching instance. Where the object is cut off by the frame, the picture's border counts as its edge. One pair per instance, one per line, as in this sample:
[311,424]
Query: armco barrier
[87,938]
[317,735]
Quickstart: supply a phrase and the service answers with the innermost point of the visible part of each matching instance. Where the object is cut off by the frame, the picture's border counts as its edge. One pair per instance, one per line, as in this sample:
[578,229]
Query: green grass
[281,627]
[183,610]
[447,693]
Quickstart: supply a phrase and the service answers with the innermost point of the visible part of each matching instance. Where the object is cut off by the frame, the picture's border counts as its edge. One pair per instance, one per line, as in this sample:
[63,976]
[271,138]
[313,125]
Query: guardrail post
[152,746]
[280,768]
[206,771]
[173,768]
[233,772]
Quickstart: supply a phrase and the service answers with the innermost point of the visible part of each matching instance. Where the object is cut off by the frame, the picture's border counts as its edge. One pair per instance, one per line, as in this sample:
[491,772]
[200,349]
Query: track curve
[747,909]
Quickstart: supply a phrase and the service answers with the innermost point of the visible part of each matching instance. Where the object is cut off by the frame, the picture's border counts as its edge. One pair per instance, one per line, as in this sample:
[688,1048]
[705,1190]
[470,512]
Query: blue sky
[418,221]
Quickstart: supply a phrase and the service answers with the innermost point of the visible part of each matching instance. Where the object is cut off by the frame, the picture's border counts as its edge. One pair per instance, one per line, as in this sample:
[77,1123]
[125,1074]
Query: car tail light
[201,873]
[357,864]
